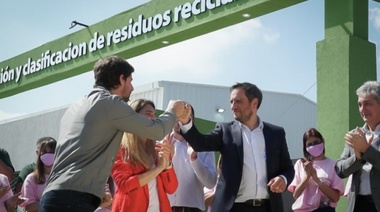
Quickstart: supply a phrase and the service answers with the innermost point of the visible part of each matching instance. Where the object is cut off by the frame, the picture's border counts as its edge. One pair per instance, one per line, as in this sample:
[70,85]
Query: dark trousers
[364,203]
[243,207]
[185,209]
[68,200]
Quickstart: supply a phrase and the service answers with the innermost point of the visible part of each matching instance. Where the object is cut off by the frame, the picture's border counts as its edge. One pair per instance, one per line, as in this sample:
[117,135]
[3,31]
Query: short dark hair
[107,71]
[251,91]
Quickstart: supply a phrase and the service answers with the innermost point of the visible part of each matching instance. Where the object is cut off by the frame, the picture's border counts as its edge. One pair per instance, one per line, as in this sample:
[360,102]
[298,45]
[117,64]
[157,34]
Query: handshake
[181,109]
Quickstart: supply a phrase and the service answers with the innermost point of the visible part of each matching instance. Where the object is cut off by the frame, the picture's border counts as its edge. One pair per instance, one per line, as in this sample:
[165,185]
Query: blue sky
[277,51]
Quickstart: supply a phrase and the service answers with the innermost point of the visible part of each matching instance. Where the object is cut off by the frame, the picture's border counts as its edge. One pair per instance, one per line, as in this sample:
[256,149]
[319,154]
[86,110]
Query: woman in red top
[142,171]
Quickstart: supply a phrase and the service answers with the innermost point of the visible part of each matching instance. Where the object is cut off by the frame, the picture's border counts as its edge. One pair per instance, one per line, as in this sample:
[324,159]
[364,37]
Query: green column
[345,59]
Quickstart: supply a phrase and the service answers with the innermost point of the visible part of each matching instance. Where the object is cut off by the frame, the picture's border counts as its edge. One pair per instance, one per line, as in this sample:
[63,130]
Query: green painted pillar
[345,59]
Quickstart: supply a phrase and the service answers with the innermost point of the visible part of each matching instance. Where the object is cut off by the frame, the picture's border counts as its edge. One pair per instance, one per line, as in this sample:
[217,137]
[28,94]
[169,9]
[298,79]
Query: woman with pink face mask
[315,187]
[35,182]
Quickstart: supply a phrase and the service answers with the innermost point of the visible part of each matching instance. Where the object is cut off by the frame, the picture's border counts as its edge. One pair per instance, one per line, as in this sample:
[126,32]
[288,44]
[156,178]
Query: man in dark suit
[256,163]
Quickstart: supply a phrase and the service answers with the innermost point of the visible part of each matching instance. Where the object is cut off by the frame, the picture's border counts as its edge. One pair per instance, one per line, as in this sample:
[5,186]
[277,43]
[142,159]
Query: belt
[256,202]
[185,209]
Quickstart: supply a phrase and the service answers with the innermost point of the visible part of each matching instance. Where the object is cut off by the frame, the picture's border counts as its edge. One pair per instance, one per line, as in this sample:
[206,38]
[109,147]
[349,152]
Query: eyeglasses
[313,143]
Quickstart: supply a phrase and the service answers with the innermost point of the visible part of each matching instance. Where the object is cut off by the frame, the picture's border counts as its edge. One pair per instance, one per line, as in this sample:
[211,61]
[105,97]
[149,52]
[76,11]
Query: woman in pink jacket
[142,171]
[35,182]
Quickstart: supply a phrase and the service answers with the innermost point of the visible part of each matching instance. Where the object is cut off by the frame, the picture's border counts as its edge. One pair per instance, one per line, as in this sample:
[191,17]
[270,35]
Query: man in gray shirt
[90,136]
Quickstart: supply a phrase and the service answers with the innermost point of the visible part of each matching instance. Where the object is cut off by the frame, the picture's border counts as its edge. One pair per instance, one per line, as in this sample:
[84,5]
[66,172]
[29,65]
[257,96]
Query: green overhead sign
[142,29]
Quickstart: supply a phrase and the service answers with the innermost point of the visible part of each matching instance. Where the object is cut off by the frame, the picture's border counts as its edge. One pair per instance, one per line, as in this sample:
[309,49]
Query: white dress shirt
[254,181]
[192,176]
[154,203]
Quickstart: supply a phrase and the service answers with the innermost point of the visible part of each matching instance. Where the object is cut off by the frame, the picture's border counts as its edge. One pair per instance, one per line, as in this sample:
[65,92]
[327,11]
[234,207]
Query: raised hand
[169,140]
[165,149]
[184,116]
[178,106]
[357,140]
[306,166]
[163,162]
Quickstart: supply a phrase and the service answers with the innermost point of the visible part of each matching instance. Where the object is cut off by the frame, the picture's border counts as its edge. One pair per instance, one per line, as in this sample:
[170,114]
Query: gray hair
[369,87]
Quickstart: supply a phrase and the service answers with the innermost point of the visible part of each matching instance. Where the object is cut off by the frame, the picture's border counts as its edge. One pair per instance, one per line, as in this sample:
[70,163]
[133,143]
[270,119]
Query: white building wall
[205,99]
[19,136]
[150,91]
[293,112]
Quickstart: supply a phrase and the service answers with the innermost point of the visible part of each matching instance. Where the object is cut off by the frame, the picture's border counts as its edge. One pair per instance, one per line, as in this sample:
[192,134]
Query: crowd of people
[114,154]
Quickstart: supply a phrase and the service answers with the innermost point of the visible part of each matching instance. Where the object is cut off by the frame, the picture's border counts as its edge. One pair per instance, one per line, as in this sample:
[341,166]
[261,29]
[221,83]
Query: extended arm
[202,142]
[204,168]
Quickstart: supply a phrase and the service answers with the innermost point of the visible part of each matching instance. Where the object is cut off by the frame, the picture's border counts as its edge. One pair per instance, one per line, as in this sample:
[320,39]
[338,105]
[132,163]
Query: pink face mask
[47,159]
[315,150]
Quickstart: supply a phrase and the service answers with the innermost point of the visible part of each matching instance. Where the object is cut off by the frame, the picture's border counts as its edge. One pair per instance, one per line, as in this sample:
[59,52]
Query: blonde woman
[142,171]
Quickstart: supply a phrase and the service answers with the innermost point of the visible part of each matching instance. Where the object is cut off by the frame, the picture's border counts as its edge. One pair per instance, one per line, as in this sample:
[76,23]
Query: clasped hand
[357,140]
[182,110]
[309,169]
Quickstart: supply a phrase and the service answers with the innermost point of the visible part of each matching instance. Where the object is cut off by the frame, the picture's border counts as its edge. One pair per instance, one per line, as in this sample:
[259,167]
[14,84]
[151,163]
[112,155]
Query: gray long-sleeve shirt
[90,136]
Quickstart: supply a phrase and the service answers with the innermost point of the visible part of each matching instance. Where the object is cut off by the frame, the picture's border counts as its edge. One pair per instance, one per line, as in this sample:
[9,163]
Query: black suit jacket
[227,139]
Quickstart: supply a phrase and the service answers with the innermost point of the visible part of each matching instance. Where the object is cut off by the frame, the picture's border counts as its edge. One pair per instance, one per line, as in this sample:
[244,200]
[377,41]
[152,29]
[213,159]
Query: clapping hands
[357,140]
[165,150]
[308,167]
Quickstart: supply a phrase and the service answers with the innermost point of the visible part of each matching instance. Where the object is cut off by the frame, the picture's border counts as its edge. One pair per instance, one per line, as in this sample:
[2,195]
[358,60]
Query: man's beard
[243,119]
[126,98]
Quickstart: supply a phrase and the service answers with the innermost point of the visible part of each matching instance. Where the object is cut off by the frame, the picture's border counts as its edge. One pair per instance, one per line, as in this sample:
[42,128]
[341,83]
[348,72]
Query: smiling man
[361,154]
[256,164]
[90,135]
